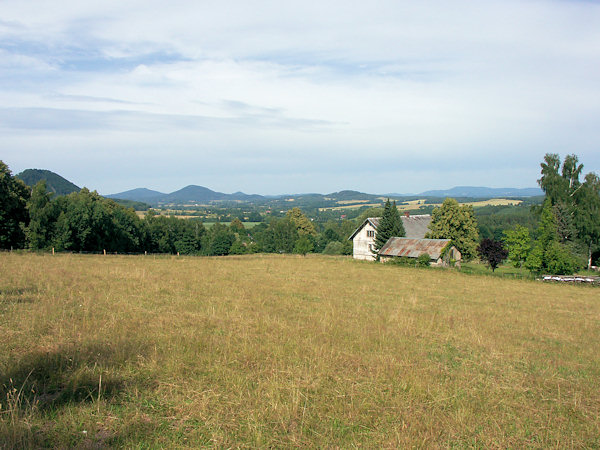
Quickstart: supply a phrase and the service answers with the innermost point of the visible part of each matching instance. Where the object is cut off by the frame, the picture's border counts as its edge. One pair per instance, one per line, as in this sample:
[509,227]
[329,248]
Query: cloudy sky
[293,96]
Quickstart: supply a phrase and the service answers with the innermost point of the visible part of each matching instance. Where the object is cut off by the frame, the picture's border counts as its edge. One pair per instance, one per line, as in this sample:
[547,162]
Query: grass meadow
[289,351]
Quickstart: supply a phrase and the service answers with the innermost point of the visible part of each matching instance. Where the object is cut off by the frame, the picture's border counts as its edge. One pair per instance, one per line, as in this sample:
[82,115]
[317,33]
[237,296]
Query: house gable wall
[362,243]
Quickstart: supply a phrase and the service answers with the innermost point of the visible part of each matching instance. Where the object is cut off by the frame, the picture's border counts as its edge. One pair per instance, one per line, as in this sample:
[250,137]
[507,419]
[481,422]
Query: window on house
[370,233]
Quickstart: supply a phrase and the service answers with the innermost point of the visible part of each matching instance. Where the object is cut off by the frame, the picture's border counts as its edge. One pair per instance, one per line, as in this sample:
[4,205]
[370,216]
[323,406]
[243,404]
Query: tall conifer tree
[390,225]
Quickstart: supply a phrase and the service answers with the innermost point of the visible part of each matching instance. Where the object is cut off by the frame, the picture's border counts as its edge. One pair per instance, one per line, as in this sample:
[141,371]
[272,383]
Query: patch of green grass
[504,270]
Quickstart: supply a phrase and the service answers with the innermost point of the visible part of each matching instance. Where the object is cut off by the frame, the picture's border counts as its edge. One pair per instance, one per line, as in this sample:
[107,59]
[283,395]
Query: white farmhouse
[363,237]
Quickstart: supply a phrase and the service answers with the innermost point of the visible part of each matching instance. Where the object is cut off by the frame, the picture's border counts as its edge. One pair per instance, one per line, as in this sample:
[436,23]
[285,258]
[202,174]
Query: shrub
[334,248]
[402,261]
[424,260]
[559,260]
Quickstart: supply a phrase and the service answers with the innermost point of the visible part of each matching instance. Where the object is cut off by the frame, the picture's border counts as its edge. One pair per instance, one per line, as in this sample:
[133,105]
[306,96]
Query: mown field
[286,351]
[411,205]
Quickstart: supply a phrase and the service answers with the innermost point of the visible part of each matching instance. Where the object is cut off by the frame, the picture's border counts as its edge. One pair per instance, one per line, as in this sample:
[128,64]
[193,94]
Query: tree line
[85,221]
[558,237]
[569,229]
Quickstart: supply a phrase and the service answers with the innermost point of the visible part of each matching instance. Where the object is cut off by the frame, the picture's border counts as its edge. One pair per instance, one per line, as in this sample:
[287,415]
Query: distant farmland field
[416,204]
[284,351]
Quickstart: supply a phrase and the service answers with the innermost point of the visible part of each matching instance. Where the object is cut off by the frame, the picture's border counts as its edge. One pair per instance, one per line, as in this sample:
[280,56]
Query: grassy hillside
[281,351]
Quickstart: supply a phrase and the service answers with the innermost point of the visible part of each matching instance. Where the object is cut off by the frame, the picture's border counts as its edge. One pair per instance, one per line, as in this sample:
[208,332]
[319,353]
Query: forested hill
[54,182]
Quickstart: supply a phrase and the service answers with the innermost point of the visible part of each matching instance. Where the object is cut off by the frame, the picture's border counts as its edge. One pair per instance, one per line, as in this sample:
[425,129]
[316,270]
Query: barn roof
[412,248]
[415,226]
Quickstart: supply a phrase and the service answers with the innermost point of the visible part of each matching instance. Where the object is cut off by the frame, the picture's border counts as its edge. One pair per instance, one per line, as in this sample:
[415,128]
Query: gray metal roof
[416,226]
[413,248]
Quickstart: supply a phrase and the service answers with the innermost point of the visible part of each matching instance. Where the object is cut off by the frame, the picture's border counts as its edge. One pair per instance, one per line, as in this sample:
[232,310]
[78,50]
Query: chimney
[406,213]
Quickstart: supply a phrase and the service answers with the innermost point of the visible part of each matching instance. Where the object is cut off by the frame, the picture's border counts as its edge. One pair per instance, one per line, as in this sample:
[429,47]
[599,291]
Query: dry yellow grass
[284,351]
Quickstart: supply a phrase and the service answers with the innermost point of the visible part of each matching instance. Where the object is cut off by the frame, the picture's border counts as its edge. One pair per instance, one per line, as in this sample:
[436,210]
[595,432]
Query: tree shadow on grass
[41,383]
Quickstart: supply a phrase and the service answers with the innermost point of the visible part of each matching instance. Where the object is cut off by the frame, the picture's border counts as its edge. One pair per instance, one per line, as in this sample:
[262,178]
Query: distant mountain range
[189,194]
[54,182]
[483,192]
[200,194]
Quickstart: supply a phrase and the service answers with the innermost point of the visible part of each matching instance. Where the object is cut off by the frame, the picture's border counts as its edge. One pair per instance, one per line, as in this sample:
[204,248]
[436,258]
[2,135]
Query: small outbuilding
[441,252]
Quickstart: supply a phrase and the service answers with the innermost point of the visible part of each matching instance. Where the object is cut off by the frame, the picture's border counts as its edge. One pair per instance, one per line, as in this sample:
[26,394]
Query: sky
[275,97]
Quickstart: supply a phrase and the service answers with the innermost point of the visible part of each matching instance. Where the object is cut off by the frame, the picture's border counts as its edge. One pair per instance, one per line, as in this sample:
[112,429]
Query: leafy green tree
[335,231]
[303,225]
[123,230]
[42,217]
[571,171]
[279,237]
[189,237]
[218,240]
[558,259]
[162,233]
[13,209]
[237,226]
[552,183]
[221,243]
[576,204]
[587,214]
[238,248]
[303,246]
[548,255]
[85,221]
[492,252]
[518,242]
[390,225]
[457,223]
[564,213]
[75,230]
